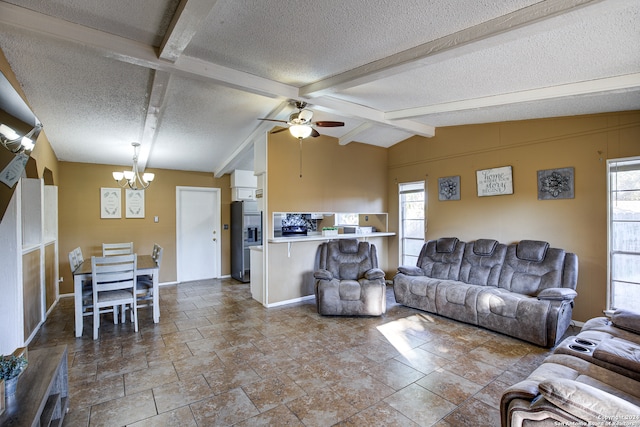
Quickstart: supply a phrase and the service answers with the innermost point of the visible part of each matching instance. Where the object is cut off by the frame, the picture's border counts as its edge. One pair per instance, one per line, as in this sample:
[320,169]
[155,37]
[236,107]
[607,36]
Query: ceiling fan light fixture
[300,131]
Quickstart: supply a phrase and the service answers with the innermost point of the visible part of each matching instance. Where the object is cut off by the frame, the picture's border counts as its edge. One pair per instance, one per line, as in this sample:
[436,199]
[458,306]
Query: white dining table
[146,265]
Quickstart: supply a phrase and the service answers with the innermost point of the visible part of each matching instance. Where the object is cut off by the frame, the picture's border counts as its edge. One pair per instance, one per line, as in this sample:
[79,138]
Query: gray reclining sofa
[524,290]
[592,379]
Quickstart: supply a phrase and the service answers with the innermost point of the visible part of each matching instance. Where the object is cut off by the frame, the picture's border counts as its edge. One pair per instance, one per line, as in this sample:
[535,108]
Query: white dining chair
[114,284]
[75,260]
[144,287]
[114,249]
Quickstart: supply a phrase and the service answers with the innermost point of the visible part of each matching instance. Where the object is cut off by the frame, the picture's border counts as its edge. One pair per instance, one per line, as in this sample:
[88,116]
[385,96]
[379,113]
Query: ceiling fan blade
[279,130]
[328,124]
[315,133]
[274,120]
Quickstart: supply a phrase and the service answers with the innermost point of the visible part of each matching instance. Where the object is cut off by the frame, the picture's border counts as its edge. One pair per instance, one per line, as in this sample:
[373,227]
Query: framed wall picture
[495,182]
[134,206]
[556,184]
[449,188]
[110,203]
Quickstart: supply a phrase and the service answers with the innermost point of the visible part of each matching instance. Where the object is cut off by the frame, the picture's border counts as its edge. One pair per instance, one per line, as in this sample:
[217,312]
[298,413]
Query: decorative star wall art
[554,184]
[449,188]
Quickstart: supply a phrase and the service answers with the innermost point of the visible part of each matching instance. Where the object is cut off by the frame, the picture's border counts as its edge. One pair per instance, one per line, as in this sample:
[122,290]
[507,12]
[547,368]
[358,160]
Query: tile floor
[219,358]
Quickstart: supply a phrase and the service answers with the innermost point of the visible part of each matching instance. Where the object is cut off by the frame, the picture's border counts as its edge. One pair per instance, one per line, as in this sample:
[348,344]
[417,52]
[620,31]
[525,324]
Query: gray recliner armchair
[348,281]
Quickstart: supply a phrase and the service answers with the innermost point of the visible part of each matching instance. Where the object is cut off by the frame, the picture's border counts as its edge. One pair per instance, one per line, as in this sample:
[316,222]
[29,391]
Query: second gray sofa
[525,290]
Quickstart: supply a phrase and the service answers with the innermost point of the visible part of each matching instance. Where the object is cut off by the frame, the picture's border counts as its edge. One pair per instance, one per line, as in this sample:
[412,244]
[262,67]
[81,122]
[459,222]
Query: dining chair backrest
[79,256]
[73,261]
[115,249]
[154,253]
[158,257]
[114,284]
[112,273]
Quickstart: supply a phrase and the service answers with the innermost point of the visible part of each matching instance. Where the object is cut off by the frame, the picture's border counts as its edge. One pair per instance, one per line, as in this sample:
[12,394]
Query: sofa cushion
[348,258]
[349,271]
[349,290]
[438,262]
[532,250]
[446,244]
[348,246]
[588,403]
[626,319]
[482,262]
[619,352]
[528,276]
[484,247]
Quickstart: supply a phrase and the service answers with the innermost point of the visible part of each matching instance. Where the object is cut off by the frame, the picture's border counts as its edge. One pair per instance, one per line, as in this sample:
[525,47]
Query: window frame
[401,212]
[612,190]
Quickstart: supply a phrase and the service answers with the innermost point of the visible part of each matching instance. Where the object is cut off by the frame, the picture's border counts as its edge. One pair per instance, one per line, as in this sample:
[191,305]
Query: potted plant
[10,367]
[329,231]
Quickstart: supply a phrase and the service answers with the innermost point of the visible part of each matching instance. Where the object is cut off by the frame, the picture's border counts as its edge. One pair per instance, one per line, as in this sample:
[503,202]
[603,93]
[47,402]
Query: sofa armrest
[557,294]
[323,275]
[526,390]
[410,270]
[589,403]
[374,273]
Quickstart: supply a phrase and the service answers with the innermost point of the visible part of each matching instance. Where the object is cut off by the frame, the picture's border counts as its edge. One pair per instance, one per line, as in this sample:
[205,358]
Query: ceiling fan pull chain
[300,139]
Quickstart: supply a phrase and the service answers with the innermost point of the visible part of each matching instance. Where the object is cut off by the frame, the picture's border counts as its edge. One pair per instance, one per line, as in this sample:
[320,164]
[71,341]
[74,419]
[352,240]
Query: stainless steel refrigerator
[246,231]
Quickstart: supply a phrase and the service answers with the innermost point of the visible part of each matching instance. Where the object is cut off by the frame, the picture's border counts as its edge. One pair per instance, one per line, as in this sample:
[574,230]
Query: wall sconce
[132,178]
[12,141]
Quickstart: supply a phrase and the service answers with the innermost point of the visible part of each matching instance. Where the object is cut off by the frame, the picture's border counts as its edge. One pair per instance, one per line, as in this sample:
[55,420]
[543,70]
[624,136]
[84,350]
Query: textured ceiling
[188,79]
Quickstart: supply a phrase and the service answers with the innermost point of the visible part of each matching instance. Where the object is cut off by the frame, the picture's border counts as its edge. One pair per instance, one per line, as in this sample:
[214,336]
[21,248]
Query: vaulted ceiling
[188,79]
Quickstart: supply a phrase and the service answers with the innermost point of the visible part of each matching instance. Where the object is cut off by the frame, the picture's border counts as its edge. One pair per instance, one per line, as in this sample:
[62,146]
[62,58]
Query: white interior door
[197,229]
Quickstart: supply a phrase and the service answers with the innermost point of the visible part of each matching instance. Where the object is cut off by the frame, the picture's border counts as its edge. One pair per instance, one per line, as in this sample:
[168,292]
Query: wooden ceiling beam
[446,47]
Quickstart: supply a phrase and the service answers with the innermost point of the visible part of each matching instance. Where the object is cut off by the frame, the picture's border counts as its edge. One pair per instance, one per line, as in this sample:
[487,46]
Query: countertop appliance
[294,230]
[246,231]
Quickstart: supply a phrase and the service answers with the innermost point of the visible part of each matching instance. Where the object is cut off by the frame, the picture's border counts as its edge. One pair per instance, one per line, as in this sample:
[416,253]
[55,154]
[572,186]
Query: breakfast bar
[290,255]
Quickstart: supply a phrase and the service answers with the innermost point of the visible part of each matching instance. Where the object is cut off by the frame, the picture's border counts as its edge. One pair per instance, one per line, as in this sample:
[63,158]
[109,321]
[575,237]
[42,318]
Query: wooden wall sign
[495,182]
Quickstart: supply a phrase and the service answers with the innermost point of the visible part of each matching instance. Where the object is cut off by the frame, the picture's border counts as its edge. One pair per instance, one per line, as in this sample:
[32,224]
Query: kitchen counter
[320,237]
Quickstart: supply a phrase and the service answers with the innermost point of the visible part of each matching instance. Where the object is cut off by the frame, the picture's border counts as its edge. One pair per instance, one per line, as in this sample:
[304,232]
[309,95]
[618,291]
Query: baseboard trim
[577,323]
[290,301]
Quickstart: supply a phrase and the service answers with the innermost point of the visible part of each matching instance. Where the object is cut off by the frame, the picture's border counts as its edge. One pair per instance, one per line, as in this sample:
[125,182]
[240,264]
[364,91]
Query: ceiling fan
[300,124]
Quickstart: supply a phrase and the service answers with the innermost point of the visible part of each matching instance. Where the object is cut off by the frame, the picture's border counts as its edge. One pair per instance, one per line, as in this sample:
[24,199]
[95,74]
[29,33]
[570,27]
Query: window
[412,221]
[624,233]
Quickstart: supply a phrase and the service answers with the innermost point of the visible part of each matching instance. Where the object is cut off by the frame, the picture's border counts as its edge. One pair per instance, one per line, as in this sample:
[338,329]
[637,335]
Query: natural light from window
[412,221]
[624,233]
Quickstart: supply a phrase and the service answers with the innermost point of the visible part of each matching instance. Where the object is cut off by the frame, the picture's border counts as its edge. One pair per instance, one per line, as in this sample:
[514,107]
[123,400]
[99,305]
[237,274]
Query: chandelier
[132,178]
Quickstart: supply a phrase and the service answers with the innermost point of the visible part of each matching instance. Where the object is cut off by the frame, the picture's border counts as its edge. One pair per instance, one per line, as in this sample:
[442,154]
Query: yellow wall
[578,225]
[335,178]
[80,223]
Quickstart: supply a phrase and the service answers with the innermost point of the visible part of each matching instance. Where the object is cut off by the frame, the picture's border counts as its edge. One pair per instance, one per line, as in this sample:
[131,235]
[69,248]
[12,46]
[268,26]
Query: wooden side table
[42,397]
